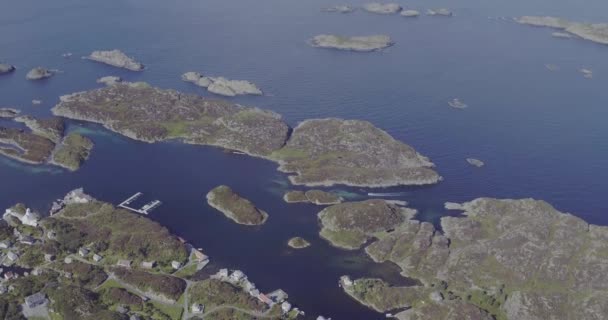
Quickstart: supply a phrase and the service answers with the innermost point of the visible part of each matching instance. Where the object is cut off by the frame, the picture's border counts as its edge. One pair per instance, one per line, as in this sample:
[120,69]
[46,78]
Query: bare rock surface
[9,112]
[116,58]
[410,13]
[6,68]
[221,85]
[382,8]
[39,73]
[340,9]
[318,197]
[109,80]
[358,43]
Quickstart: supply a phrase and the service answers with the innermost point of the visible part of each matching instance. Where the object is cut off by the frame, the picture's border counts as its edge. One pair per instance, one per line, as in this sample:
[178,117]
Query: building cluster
[74,196]
[239,279]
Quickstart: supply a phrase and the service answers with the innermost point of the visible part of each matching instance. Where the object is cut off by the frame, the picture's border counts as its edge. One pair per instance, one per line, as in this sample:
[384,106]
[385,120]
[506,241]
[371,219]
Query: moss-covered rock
[298,243]
[235,207]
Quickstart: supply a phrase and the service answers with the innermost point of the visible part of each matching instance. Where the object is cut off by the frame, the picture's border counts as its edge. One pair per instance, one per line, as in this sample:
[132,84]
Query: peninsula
[503,259]
[235,207]
[319,152]
[596,32]
[116,58]
[358,44]
[90,261]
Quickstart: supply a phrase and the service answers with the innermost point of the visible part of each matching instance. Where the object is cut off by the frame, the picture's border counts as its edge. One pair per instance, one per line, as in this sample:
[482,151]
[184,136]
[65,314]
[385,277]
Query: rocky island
[109,80]
[359,44]
[318,197]
[221,85]
[382,8]
[6,68]
[410,13]
[298,243]
[146,113]
[9,112]
[235,207]
[503,259]
[39,73]
[324,152]
[340,9]
[475,162]
[439,12]
[596,32]
[92,261]
[116,58]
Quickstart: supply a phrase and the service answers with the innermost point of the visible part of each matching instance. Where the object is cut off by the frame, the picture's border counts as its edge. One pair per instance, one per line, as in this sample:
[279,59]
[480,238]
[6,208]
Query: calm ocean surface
[542,134]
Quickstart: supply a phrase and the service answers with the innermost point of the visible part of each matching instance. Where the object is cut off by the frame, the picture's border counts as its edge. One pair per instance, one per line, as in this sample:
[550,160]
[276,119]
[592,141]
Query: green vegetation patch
[383,297]
[213,293]
[73,151]
[116,234]
[167,286]
[235,207]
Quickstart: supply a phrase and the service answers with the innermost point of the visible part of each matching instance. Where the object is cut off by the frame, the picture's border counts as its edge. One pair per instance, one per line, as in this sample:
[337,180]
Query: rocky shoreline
[487,264]
[155,115]
[235,207]
[595,32]
[222,86]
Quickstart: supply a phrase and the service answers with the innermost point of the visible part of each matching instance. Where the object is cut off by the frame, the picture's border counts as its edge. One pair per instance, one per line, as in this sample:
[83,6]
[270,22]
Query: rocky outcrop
[443,12]
[150,114]
[116,58]
[351,152]
[221,85]
[109,80]
[9,112]
[360,43]
[382,8]
[6,68]
[318,197]
[410,13]
[50,128]
[340,9]
[596,32]
[350,225]
[39,73]
[235,207]
[475,162]
[457,104]
[515,259]
[298,243]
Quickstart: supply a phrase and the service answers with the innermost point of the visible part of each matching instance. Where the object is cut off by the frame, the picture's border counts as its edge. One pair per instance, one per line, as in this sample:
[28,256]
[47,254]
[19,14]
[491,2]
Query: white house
[12,256]
[83,252]
[176,265]
[148,264]
[97,258]
[197,308]
[124,263]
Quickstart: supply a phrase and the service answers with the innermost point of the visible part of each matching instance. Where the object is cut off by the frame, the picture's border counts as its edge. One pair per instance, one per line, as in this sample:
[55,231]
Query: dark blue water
[542,134]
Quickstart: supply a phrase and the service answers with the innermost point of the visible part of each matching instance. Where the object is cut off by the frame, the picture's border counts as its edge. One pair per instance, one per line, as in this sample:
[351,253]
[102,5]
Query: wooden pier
[143,210]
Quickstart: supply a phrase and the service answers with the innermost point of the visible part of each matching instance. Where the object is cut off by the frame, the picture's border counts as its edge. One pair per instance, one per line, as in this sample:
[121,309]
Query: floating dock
[143,210]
